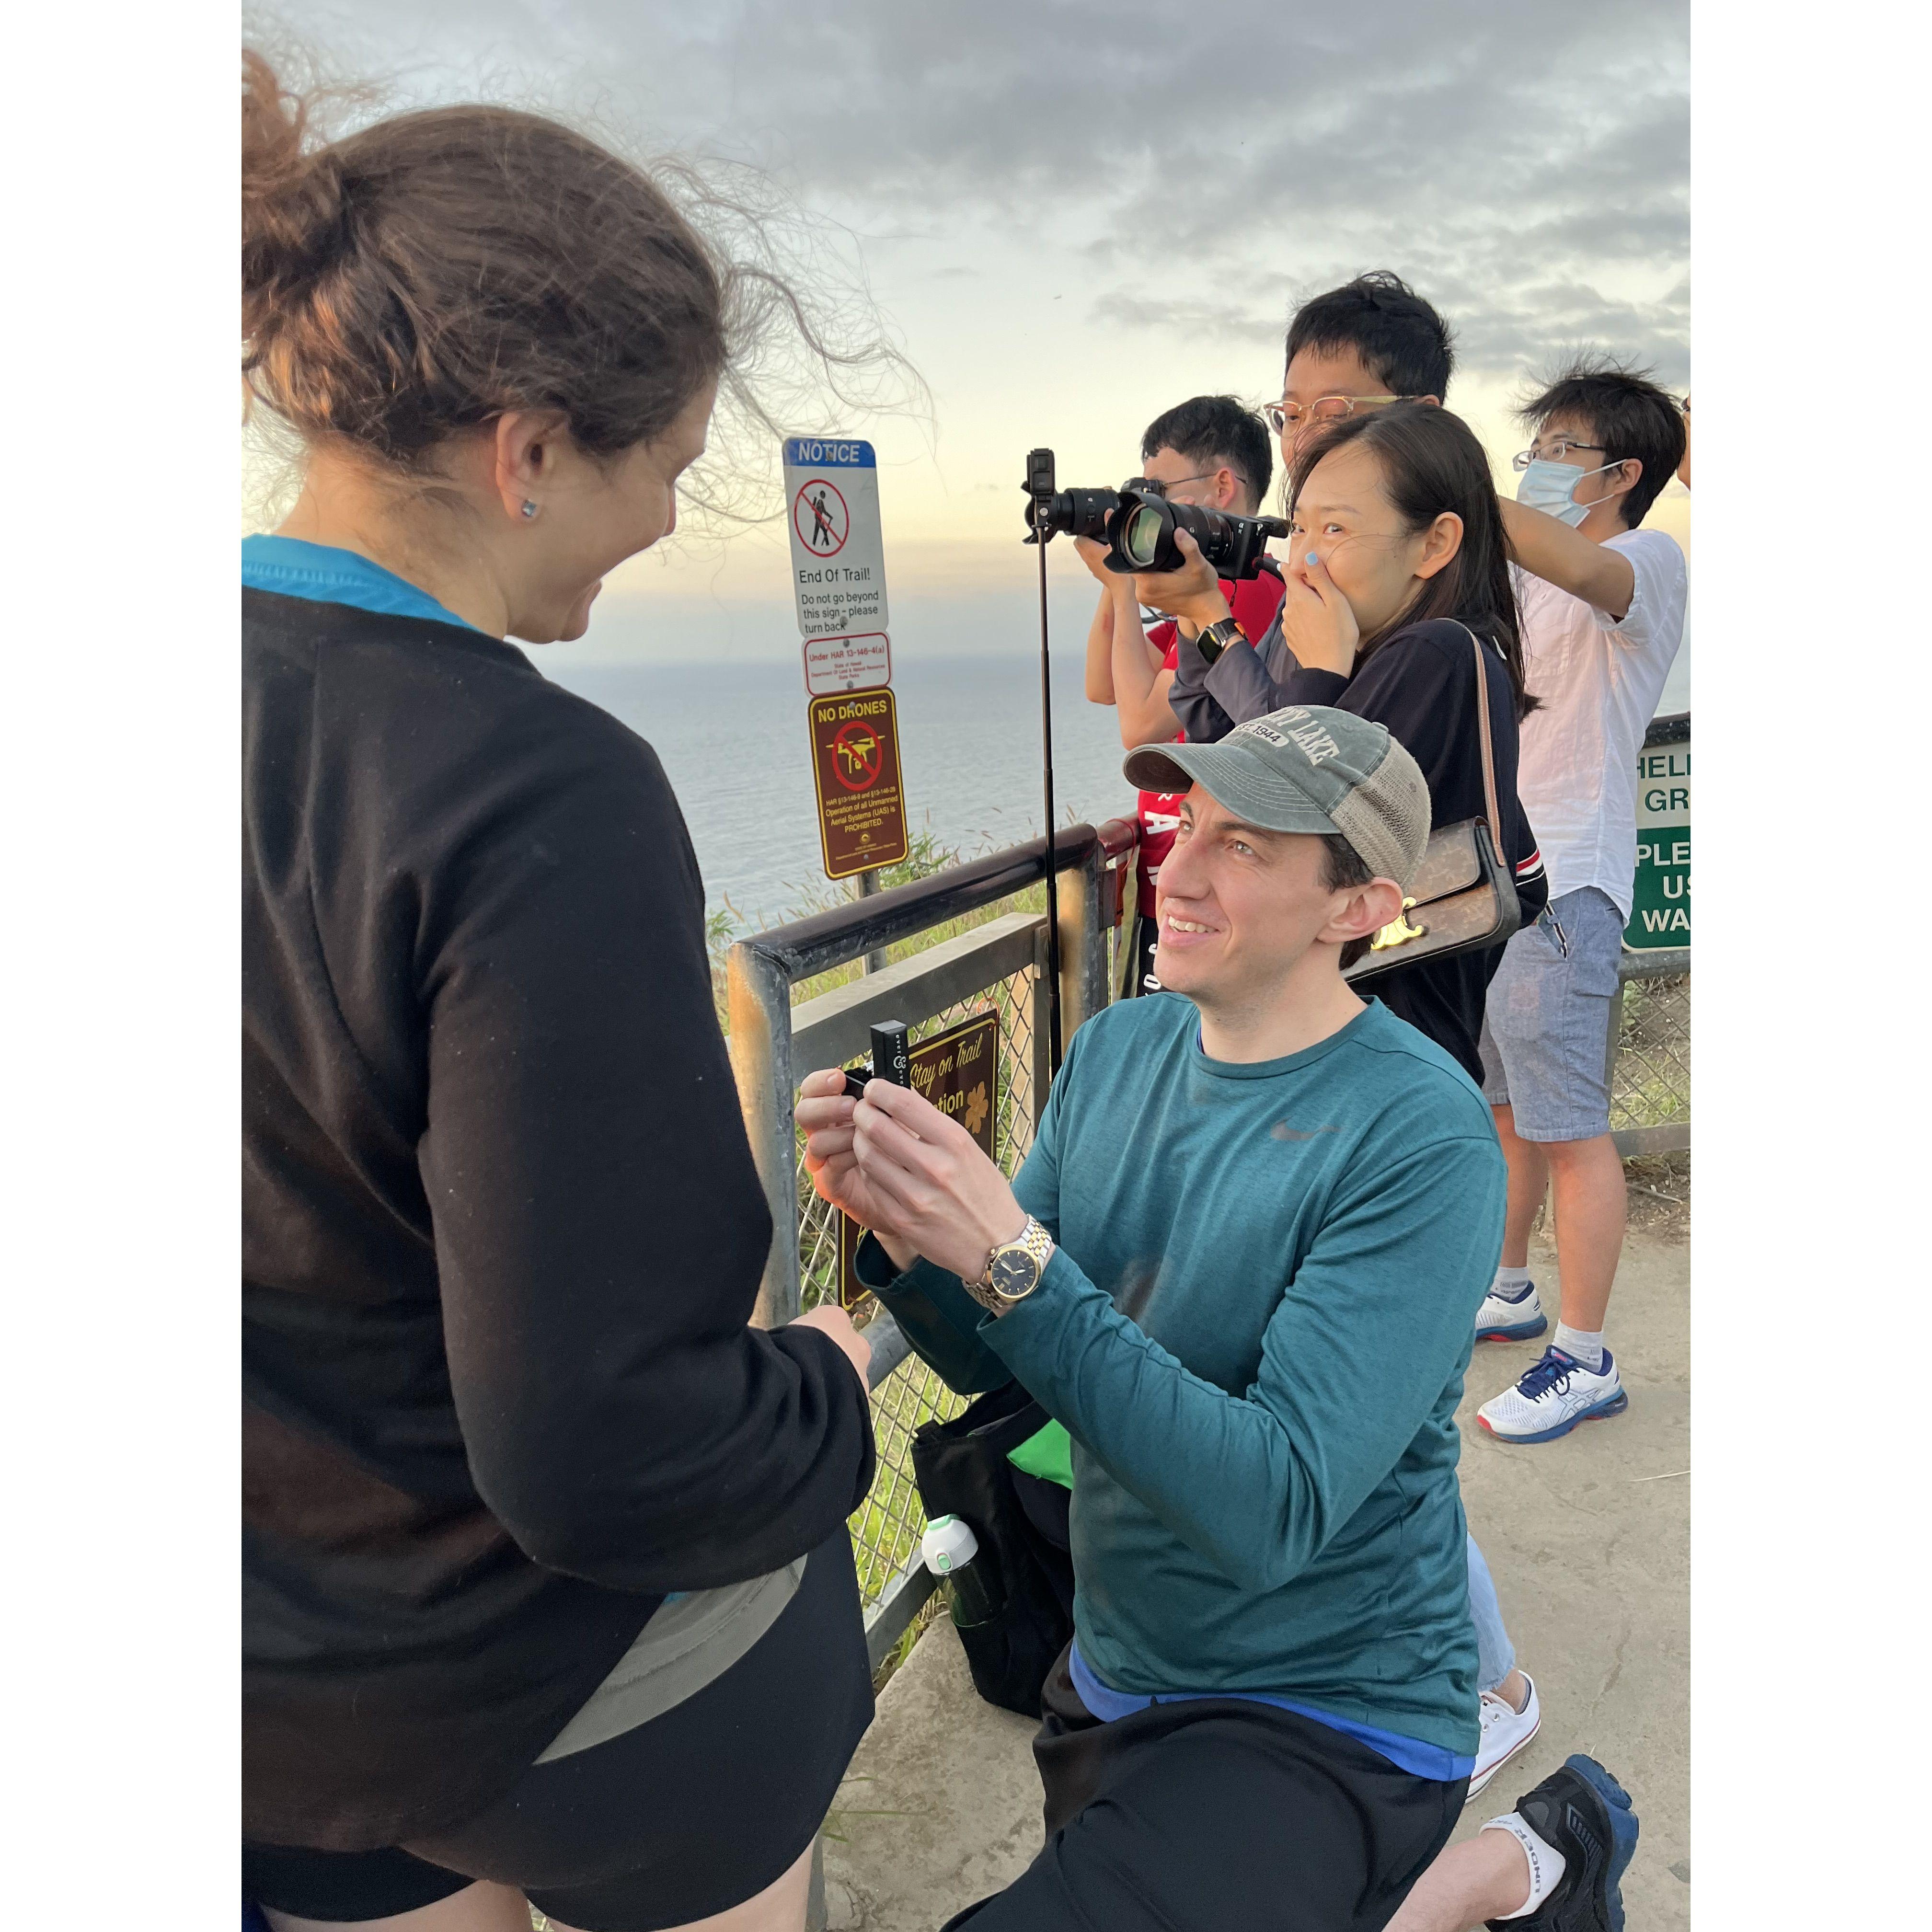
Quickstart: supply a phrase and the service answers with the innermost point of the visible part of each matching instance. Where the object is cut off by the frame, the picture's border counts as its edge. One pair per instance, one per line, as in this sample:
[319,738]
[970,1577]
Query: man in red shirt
[1209,451]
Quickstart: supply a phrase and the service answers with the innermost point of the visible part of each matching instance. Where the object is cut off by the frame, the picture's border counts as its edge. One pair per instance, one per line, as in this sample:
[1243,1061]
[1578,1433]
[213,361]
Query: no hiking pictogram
[821,518]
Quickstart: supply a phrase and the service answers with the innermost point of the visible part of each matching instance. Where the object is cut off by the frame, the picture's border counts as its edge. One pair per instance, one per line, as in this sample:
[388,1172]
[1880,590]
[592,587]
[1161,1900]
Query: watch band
[1035,1245]
[1217,636]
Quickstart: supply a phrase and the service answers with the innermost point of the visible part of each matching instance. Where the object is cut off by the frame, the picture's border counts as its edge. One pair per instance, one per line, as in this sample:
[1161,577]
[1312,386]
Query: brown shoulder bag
[1464,896]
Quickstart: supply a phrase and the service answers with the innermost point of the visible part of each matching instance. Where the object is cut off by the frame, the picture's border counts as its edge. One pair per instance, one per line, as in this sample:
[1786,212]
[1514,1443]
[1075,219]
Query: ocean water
[733,739]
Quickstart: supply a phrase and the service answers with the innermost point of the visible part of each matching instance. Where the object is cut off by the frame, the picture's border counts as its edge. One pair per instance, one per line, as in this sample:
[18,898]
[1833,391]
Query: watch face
[1015,1274]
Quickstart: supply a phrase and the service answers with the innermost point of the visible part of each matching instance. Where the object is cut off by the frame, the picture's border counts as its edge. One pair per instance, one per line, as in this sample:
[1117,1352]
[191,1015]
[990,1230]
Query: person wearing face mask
[1603,603]
[548,1596]
[1210,451]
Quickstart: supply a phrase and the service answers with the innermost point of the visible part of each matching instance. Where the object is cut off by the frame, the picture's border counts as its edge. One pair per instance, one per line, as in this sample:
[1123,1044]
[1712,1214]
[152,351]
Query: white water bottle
[948,1548]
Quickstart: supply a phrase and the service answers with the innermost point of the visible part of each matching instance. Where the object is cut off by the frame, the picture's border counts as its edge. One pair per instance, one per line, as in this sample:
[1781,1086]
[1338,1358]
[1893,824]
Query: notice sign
[855,766]
[838,556]
[1661,903]
[958,1071]
[848,664]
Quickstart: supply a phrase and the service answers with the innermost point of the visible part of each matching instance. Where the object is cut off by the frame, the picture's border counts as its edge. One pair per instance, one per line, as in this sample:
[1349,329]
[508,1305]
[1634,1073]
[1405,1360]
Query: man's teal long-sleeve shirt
[1255,1329]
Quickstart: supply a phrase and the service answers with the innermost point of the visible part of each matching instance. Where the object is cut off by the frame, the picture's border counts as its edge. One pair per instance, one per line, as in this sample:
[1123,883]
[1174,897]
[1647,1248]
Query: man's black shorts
[1217,1814]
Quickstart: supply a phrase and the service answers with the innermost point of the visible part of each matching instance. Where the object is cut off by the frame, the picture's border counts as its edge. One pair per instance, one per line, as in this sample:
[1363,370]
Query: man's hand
[1093,555]
[1192,593]
[826,1114]
[940,1191]
[1317,623]
[830,1319]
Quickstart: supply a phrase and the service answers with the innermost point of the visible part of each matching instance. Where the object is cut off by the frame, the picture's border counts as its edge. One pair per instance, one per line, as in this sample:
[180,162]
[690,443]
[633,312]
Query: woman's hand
[940,1191]
[826,1114]
[1192,593]
[1317,623]
[830,1319]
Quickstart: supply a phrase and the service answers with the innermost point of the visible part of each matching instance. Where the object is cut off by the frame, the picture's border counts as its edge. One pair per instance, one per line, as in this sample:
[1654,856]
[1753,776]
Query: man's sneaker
[1501,1319]
[1551,1398]
[1506,1730]
[1586,1814]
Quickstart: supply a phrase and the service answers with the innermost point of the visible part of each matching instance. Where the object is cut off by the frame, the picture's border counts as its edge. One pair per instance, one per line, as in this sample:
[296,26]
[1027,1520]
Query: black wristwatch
[1217,636]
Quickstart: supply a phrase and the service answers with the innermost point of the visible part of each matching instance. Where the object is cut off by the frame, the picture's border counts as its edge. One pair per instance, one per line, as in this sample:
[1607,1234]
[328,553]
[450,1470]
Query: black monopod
[1040,486]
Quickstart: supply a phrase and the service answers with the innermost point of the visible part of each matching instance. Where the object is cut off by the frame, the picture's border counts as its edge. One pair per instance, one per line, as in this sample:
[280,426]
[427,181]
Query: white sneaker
[1500,1319]
[1553,1397]
[1505,1732]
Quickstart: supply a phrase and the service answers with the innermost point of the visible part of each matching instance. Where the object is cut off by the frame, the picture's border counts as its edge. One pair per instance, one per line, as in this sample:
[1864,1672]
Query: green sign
[1661,905]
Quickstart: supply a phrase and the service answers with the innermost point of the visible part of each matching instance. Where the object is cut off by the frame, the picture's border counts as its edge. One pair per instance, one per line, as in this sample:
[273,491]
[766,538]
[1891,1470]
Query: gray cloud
[1527,165]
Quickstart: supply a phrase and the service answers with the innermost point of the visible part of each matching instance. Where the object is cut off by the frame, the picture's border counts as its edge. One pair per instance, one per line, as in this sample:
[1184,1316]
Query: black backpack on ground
[1019,1522]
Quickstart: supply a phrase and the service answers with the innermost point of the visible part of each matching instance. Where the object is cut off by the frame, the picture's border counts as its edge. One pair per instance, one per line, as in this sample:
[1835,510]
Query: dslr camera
[1138,524]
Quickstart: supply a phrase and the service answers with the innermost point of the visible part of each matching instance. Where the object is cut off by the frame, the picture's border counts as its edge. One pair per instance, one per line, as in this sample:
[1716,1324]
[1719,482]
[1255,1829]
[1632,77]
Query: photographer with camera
[1253,1320]
[1210,451]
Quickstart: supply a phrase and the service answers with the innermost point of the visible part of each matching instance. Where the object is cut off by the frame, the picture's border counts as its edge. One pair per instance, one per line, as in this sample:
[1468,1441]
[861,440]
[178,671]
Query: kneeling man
[1253,1315]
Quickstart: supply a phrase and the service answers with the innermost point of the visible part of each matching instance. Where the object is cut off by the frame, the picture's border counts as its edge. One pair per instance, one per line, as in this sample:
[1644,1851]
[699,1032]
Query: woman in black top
[1397,556]
[547,1589]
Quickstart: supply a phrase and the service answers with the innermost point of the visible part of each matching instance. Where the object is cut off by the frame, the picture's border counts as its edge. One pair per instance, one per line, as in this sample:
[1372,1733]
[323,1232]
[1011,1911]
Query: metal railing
[1000,965]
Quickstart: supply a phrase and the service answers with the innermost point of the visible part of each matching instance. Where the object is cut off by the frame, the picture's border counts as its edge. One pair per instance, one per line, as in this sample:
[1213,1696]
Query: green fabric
[1255,1331]
[1048,1455]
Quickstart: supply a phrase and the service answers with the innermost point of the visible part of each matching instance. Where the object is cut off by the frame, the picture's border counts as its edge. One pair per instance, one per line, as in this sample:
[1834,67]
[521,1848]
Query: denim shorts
[1546,1028]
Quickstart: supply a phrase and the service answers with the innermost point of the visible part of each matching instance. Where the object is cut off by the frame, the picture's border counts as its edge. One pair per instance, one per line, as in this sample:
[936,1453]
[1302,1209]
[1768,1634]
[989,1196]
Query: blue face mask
[1547,487]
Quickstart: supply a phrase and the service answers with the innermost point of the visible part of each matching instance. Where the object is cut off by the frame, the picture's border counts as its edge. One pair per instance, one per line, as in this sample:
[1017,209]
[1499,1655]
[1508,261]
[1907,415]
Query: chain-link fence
[1651,1084]
[1650,1053]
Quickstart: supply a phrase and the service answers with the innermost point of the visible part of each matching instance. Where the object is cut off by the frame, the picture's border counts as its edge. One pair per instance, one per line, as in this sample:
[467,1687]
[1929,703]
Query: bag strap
[1489,746]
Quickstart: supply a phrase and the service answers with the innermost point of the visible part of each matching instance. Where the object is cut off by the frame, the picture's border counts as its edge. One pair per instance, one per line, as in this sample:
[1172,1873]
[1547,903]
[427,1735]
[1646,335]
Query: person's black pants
[1216,1813]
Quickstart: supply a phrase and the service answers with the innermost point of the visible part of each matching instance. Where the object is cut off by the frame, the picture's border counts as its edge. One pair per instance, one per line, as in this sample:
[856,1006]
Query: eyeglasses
[1285,415]
[1554,452]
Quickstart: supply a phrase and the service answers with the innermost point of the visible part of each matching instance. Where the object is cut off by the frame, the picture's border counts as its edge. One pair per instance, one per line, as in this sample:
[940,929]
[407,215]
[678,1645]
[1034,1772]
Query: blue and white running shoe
[1586,1814]
[1500,1319]
[1553,1397]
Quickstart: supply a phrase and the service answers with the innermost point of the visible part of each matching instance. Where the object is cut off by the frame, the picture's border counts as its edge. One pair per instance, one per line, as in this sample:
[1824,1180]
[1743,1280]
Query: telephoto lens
[1141,537]
[1071,513]
[949,1550]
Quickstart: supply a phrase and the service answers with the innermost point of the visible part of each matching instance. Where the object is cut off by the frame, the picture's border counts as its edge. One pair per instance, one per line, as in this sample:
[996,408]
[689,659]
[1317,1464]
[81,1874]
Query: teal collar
[325,574]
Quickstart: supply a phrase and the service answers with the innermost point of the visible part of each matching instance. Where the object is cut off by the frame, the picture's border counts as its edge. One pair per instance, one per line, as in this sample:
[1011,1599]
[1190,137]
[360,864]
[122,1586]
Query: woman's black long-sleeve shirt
[502,1230]
[1421,683]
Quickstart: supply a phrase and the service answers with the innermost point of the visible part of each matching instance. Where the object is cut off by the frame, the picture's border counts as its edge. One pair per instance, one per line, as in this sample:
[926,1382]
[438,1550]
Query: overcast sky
[1071,217]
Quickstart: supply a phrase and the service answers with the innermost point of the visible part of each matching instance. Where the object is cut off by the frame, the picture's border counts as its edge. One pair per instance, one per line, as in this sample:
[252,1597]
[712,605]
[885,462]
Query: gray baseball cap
[1307,769]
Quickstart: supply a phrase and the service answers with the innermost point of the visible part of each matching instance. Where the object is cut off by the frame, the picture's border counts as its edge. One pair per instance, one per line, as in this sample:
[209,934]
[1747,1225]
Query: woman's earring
[529,509]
